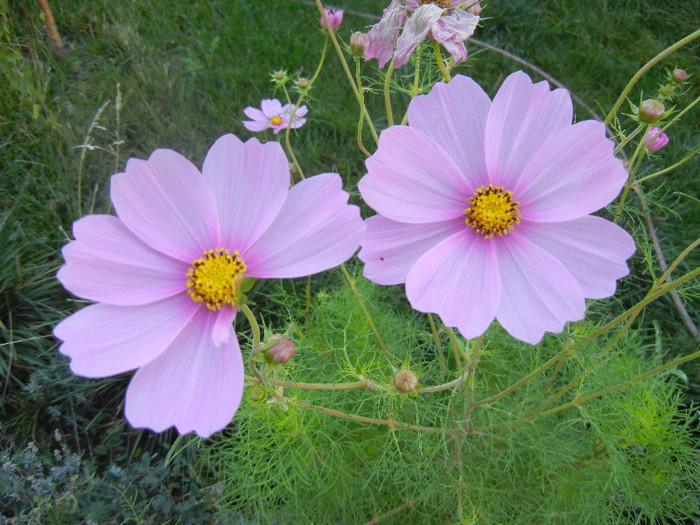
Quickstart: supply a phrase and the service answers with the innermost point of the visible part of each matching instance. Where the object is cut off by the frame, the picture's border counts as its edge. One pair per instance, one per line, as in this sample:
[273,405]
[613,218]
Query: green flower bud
[258,394]
[405,380]
[651,110]
[303,83]
[358,41]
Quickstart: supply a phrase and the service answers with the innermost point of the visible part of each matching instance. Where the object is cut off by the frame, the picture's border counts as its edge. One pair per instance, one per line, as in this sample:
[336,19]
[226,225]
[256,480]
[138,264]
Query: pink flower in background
[655,140]
[274,115]
[484,208]
[166,273]
[334,17]
[448,22]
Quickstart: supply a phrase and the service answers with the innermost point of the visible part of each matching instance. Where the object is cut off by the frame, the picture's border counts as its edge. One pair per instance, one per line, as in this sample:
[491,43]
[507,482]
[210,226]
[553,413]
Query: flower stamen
[275,121]
[440,3]
[216,278]
[492,211]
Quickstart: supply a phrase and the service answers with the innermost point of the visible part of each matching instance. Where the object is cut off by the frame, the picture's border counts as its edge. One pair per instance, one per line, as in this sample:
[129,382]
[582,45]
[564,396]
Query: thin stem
[648,299]
[398,509]
[456,347]
[666,170]
[628,139]
[362,419]
[387,93]
[646,67]
[348,74]
[642,377]
[441,62]
[351,282]
[362,108]
[527,378]
[438,345]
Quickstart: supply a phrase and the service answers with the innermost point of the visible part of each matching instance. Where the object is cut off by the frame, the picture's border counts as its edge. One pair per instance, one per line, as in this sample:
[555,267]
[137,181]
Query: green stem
[642,377]
[526,379]
[441,62]
[666,170]
[351,282]
[628,139]
[646,67]
[387,93]
[438,346]
[348,74]
[362,108]
[457,349]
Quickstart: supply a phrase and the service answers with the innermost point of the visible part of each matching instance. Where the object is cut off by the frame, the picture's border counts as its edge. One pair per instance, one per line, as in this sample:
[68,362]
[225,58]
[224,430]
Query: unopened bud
[680,76]
[279,75]
[405,380]
[655,140]
[258,394]
[303,83]
[358,42]
[282,351]
[651,110]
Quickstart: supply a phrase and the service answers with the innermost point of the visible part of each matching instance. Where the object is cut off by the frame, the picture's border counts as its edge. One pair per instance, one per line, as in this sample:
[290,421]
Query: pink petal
[457,279]
[454,115]
[194,385]
[592,249]
[415,30]
[382,37]
[222,329]
[315,230]
[452,30]
[538,293]
[390,248]
[523,116]
[271,107]
[104,340]
[412,179]
[256,114]
[573,174]
[249,182]
[108,263]
[165,202]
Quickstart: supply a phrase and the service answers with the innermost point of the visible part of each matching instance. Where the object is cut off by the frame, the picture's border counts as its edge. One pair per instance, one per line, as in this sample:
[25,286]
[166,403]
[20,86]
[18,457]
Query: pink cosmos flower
[448,22]
[335,17]
[274,115]
[166,273]
[655,140]
[484,208]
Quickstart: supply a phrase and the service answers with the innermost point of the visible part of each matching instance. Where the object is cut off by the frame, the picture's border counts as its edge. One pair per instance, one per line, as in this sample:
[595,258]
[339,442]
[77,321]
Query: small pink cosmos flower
[655,140]
[274,115]
[484,208]
[335,17]
[448,22]
[166,273]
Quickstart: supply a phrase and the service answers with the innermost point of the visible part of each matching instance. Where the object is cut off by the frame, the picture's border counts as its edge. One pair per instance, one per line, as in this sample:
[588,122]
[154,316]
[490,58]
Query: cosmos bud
[282,351]
[405,380]
[651,110]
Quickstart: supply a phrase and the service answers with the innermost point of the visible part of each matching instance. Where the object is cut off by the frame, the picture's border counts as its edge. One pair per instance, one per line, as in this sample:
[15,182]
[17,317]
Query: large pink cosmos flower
[484,208]
[272,114]
[448,22]
[166,273]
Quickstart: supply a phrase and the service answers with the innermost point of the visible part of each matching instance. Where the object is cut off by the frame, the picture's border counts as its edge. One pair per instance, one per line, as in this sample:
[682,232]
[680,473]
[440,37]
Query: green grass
[144,75]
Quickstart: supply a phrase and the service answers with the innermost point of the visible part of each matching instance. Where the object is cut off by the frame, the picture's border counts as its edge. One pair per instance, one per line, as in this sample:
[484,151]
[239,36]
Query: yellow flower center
[492,211]
[276,121]
[440,3]
[216,278]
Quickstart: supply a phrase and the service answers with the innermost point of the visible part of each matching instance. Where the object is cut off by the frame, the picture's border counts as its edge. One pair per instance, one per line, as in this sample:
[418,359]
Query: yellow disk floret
[216,278]
[492,211]
[276,121]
